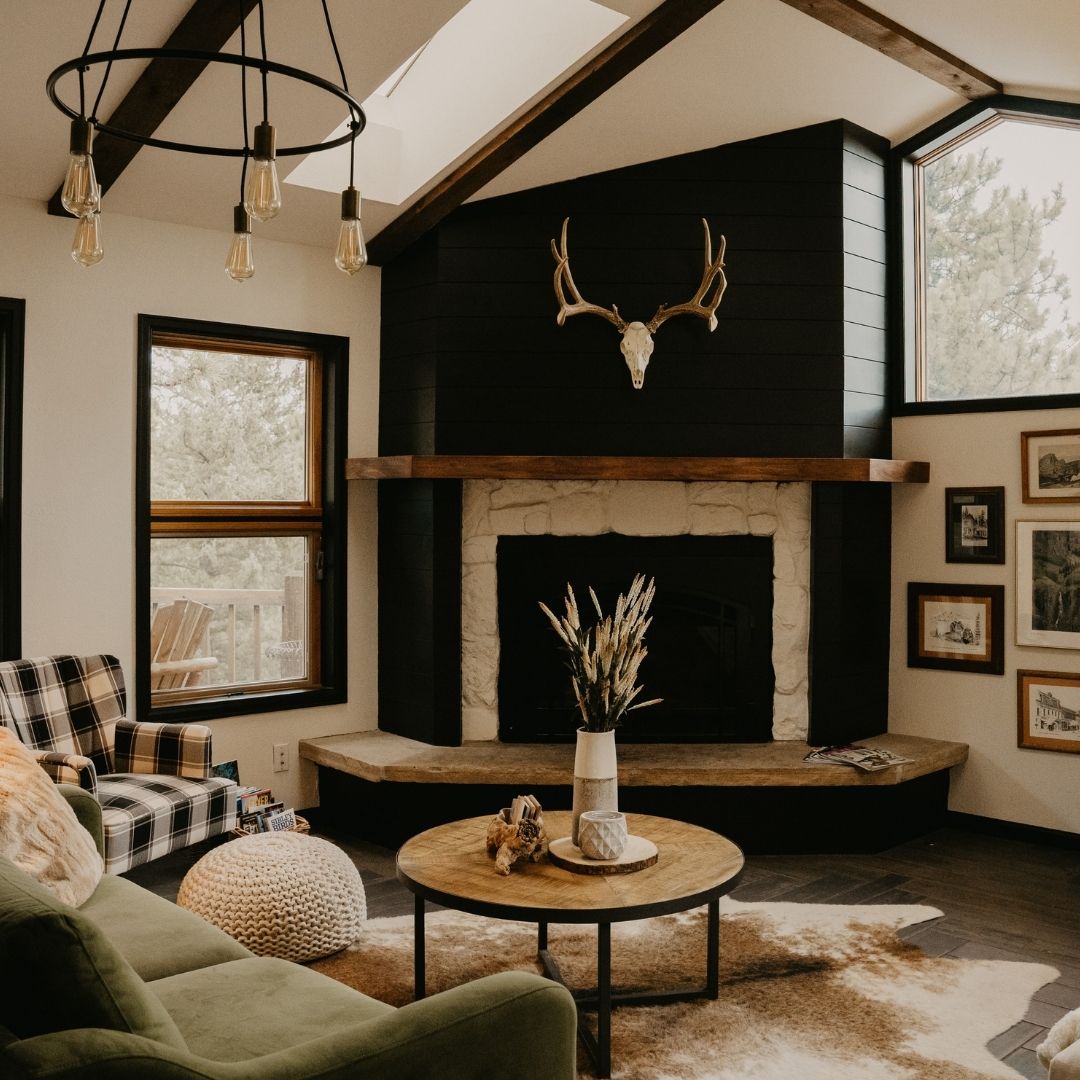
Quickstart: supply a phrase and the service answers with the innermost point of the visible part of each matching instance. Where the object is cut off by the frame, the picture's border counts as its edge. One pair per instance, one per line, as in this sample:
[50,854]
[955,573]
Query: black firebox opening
[710,643]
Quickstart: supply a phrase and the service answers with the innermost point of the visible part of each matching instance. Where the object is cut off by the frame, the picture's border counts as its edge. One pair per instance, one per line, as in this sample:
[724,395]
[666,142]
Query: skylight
[482,66]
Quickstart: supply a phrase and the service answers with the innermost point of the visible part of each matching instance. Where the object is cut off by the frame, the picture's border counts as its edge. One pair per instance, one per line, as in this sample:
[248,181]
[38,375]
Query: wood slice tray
[638,854]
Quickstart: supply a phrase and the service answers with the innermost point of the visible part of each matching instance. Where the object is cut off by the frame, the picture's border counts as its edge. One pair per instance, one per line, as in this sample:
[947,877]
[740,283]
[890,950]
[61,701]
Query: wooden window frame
[906,246]
[12,336]
[319,518]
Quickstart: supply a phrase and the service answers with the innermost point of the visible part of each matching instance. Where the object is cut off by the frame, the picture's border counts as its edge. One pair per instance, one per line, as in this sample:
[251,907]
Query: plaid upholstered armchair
[152,780]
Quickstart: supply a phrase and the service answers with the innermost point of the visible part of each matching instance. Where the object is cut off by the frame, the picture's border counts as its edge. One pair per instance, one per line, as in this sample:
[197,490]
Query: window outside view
[227,426]
[1001,263]
[228,608]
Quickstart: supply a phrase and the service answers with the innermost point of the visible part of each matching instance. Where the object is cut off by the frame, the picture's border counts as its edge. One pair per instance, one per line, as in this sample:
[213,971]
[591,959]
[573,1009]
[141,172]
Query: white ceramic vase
[596,775]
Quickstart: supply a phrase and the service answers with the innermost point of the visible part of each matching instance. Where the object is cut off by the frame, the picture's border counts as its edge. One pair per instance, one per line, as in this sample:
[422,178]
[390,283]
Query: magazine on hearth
[867,758]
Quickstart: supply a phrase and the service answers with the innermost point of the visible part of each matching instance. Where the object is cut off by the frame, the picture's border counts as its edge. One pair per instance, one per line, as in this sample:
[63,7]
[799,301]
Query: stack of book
[258,812]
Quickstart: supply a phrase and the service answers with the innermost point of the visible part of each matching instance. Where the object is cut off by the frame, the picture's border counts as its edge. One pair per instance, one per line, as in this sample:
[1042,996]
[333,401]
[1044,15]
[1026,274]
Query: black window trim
[901,255]
[12,339]
[333,614]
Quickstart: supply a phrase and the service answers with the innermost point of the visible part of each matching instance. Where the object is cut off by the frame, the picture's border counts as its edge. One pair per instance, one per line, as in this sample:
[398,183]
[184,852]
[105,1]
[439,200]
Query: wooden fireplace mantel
[545,467]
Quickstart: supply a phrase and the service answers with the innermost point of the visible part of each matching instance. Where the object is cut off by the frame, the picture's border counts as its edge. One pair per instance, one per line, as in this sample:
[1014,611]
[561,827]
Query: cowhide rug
[807,991]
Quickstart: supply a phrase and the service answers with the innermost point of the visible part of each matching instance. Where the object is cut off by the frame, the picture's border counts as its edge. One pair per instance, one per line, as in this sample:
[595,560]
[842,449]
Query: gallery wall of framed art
[1002,509]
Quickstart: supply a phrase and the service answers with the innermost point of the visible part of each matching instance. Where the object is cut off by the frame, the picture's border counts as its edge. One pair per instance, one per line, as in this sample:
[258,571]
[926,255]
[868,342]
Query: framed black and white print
[1048,584]
[956,627]
[1048,710]
[1050,462]
[975,525]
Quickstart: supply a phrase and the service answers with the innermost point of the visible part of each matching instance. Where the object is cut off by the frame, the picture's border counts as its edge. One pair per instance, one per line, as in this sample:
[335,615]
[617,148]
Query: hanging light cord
[243,102]
[262,40]
[86,49]
[108,66]
[354,122]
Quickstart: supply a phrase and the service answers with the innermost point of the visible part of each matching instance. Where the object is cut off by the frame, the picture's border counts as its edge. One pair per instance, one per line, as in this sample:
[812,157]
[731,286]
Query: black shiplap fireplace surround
[710,644]
[474,363]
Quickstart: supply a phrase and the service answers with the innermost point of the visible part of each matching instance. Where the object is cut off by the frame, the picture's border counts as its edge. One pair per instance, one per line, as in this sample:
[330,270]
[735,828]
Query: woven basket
[302,826]
[281,894]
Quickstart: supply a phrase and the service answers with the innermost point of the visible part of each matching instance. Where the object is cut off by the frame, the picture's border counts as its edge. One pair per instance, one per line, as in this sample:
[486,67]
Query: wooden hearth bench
[385,788]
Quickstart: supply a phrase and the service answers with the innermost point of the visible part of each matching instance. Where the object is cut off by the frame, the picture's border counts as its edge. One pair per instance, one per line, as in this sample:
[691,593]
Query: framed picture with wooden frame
[975,525]
[1048,710]
[1047,602]
[1050,463]
[956,627]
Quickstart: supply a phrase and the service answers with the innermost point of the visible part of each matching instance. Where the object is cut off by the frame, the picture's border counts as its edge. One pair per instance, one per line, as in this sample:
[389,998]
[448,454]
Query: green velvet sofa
[130,985]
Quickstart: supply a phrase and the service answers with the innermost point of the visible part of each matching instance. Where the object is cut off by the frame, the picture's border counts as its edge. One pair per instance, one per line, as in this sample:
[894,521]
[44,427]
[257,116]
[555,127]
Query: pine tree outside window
[990,258]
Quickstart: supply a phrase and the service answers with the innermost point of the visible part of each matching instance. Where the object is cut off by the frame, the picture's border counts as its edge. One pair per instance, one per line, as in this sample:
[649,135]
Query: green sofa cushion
[87,810]
[68,974]
[139,923]
[247,1008]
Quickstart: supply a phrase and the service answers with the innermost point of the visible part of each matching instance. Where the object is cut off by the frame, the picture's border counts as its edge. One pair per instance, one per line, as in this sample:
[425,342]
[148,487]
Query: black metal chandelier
[260,190]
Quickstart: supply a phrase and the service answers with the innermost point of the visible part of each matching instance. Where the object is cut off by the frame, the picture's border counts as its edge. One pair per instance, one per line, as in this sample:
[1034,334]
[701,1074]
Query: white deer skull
[637,337]
[637,347]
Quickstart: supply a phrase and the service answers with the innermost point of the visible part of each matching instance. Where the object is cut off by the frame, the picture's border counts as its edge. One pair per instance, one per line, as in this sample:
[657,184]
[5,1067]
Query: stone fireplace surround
[493,508]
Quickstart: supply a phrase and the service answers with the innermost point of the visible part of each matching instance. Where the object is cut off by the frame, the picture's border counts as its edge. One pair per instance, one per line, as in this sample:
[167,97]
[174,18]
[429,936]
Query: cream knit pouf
[280,894]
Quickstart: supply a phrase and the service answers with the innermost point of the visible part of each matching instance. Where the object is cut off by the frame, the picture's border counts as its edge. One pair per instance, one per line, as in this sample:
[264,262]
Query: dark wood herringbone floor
[1002,898]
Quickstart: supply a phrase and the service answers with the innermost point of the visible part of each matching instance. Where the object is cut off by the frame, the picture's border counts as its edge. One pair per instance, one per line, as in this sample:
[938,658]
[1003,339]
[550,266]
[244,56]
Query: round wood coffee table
[449,865]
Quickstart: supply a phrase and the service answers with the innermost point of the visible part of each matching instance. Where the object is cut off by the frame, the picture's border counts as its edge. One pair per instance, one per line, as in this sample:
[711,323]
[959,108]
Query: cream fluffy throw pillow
[39,832]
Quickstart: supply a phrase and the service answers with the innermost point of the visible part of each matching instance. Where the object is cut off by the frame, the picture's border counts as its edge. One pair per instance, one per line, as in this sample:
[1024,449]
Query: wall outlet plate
[281,757]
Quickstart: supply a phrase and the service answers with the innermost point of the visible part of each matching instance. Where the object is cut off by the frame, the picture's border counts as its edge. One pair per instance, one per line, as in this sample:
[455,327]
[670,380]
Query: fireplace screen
[710,642]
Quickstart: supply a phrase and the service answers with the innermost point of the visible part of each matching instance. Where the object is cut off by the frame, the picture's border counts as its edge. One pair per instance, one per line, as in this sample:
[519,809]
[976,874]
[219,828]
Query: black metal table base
[603,997]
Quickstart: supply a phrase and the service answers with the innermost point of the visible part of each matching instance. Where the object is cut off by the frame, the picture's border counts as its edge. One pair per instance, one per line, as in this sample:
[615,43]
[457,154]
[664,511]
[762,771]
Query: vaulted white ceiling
[748,68]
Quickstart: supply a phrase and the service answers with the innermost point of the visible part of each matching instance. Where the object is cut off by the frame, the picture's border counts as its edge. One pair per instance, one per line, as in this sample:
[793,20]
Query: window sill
[976,405]
[220,708]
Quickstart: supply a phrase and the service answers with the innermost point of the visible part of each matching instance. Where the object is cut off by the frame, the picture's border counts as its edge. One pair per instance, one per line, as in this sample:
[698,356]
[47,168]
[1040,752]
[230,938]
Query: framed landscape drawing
[975,525]
[1051,465]
[1048,710]
[956,627]
[1047,584]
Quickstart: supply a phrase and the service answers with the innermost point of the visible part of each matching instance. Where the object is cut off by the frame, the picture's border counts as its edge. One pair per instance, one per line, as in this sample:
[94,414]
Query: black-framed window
[986,259]
[12,323]
[240,552]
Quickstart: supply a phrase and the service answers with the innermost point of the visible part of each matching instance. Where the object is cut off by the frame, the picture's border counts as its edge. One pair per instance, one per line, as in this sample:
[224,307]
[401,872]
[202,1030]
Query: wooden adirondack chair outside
[175,636]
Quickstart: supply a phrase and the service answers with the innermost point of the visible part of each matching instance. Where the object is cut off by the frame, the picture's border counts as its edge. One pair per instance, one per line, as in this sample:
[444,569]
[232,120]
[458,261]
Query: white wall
[79,437]
[1000,780]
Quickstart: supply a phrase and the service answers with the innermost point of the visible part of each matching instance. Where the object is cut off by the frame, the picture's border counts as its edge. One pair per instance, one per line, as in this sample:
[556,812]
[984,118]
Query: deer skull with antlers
[637,337]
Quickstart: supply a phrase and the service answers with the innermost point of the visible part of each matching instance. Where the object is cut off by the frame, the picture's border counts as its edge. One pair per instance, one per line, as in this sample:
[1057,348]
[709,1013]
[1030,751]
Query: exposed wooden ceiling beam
[206,27]
[622,56]
[862,23]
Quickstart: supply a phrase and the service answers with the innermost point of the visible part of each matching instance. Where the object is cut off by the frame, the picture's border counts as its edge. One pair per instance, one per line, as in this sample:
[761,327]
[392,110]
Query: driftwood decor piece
[637,340]
[517,832]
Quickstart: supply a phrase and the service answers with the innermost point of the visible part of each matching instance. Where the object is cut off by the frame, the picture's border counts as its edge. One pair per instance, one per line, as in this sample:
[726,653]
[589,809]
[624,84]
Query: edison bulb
[351,254]
[262,191]
[239,264]
[86,247]
[80,194]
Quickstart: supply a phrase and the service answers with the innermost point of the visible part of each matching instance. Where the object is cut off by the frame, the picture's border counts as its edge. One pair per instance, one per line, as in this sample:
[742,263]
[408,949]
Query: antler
[580,306]
[714,270]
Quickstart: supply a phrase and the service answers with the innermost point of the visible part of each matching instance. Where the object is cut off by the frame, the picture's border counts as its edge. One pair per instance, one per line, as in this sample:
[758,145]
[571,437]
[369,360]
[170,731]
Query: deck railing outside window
[256,635]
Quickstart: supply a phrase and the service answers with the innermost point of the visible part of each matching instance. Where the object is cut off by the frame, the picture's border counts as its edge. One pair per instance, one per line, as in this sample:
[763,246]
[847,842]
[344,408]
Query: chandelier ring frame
[254,63]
